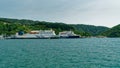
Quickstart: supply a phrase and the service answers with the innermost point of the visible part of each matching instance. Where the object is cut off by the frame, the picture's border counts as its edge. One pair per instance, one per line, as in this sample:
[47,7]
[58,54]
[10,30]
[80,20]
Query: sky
[92,12]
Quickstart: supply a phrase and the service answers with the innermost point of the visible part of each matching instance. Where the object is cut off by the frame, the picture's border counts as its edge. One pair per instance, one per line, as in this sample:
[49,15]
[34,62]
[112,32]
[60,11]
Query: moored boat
[41,34]
[68,34]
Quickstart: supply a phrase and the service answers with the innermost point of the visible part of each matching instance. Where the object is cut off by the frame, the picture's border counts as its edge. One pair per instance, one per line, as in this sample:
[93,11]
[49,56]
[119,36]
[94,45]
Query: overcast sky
[94,12]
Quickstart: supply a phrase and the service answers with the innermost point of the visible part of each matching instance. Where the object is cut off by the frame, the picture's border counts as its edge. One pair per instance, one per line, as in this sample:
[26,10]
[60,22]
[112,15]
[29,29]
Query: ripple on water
[60,53]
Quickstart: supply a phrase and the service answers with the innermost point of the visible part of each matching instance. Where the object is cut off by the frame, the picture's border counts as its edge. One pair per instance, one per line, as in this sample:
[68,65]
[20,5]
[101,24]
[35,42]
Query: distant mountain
[94,30]
[11,26]
[113,32]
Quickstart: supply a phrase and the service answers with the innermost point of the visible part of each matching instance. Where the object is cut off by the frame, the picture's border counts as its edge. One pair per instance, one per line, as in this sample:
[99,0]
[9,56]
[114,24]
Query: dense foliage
[113,32]
[11,26]
[91,29]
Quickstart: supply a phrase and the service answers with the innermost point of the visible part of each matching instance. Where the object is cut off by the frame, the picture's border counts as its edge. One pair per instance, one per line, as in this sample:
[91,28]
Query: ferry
[68,34]
[41,34]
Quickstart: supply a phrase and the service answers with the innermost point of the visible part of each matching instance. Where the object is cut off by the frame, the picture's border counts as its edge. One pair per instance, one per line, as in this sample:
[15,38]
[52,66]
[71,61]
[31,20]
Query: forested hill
[113,32]
[14,25]
[11,26]
[93,30]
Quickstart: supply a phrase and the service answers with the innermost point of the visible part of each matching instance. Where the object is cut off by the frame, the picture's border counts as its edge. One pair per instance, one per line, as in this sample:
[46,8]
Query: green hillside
[113,32]
[11,26]
[93,30]
[14,25]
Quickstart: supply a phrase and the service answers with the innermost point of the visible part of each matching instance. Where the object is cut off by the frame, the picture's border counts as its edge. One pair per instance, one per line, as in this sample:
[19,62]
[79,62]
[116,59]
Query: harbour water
[60,53]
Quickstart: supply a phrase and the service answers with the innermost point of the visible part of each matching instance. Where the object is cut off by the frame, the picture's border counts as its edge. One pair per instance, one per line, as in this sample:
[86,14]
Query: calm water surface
[60,53]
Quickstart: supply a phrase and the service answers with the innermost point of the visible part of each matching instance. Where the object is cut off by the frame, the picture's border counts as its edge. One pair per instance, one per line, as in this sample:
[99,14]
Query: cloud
[98,12]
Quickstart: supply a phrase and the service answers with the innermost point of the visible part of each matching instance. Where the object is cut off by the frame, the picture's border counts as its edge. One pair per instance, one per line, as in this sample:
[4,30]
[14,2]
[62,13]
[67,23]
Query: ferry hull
[33,38]
[70,37]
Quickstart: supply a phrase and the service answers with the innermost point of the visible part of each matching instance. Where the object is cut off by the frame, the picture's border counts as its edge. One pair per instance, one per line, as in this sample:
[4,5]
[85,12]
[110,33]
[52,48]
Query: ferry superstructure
[46,34]
[36,34]
[68,34]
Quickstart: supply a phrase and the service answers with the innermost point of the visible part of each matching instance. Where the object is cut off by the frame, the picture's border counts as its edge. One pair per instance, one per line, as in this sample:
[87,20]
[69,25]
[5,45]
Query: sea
[60,53]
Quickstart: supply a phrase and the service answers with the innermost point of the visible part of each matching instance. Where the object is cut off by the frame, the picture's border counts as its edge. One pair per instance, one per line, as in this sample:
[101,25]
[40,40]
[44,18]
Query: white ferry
[41,34]
[68,34]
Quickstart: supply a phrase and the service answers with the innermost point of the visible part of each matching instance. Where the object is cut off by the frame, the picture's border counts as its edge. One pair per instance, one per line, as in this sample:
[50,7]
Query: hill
[14,25]
[91,29]
[11,26]
[113,32]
